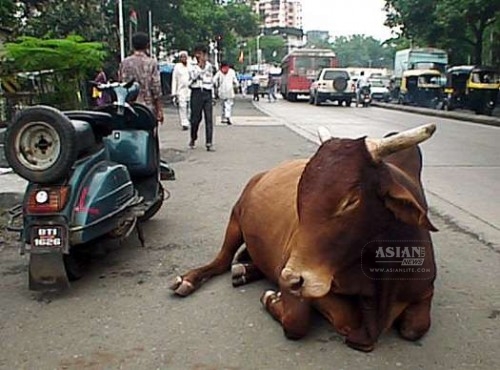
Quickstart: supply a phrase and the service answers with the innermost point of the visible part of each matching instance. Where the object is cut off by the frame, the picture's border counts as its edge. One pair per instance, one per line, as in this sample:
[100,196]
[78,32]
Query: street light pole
[150,29]
[259,52]
[120,29]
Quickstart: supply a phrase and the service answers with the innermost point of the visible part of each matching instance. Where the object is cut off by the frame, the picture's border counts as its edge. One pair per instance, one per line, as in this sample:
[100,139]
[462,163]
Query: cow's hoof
[359,340]
[266,296]
[182,287]
[239,281]
[269,297]
[412,334]
[238,274]
[360,347]
[238,269]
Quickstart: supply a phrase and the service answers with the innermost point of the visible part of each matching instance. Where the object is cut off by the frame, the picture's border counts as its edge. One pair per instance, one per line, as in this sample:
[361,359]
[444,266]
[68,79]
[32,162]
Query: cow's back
[267,215]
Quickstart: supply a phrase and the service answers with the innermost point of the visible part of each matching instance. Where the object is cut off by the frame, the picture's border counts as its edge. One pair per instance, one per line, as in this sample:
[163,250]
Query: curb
[291,126]
[484,120]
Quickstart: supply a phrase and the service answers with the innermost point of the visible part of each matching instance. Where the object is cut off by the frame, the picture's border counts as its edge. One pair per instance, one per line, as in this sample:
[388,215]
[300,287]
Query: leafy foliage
[184,22]
[459,26]
[71,53]
[363,51]
[7,13]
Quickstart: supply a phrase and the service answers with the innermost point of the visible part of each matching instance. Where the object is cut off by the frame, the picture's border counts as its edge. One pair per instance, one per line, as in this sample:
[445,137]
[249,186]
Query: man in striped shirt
[201,84]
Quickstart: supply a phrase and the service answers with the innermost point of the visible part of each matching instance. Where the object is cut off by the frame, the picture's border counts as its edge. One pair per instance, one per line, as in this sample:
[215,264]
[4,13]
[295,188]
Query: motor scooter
[365,96]
[91,175]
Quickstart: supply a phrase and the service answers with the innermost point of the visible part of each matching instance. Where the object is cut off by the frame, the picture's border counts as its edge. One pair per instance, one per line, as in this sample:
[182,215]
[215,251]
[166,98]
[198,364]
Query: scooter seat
[101,123]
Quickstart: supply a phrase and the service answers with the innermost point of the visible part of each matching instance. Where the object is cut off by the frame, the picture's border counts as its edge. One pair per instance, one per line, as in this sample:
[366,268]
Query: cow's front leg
[292,312]
[364,337]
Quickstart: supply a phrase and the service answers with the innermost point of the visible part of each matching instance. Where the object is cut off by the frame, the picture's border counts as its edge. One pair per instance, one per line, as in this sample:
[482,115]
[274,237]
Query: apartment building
[279,13]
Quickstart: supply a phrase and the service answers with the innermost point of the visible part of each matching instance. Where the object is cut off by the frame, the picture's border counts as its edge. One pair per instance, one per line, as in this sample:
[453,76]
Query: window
[332,75]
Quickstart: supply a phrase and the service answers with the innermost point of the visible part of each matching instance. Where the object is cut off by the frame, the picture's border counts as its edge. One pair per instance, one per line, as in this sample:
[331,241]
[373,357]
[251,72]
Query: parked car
[379,90]
[333,84]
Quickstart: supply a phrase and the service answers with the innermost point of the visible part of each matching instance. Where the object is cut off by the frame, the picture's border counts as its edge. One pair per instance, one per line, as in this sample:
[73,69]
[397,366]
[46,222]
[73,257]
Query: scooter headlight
[41,197]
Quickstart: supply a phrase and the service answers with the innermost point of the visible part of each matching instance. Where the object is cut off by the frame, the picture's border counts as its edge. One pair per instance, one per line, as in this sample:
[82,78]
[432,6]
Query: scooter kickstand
[140,234]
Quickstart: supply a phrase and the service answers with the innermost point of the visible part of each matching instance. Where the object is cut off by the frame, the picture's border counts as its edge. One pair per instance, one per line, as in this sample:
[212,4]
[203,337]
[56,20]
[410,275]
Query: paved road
[462,160]
[121,316]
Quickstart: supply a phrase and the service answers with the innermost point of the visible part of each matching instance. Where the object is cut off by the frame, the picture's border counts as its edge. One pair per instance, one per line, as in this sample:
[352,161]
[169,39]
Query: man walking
[255,87]
[225,83]
[144,70]
[180,89]
[271,88]
[201,84]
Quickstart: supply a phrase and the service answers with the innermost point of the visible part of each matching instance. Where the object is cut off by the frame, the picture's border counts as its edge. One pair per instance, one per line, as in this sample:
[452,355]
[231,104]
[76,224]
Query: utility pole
[150,19]
[120,29]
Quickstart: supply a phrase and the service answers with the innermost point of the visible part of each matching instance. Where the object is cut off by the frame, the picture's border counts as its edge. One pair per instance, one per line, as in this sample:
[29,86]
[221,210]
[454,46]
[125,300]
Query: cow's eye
[348,204]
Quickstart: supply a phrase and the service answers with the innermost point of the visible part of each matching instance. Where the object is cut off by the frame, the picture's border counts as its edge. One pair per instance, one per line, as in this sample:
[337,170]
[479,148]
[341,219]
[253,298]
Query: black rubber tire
[64,128]
[153,210]
[75,265]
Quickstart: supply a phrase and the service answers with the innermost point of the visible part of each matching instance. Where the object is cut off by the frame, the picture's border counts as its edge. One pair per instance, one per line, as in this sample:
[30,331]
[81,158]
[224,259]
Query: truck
[419,58]
[416,58]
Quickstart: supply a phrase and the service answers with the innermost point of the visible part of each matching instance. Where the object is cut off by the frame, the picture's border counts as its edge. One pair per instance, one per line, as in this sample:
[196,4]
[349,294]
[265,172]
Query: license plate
[47,237]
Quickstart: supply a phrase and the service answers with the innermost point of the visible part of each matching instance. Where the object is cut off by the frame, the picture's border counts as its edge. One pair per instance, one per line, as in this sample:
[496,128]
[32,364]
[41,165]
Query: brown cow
[325,230]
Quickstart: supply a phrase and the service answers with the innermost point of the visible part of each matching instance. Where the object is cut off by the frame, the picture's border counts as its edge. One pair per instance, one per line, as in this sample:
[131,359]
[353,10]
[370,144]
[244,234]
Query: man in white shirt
[362,82]
[201,84]
[225,82]
[180,89]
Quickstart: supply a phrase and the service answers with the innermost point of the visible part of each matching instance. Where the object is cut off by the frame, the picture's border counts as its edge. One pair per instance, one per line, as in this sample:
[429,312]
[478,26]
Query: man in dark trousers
[201,85]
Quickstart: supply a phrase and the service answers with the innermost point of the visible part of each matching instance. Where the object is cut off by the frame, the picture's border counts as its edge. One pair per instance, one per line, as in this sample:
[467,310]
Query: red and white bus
[299,69]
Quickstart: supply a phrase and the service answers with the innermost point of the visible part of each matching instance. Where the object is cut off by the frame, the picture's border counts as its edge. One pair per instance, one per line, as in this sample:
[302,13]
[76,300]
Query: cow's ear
[405,199]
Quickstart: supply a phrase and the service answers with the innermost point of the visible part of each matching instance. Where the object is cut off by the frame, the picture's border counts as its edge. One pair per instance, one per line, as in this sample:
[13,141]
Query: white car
[379,90]
[332,84]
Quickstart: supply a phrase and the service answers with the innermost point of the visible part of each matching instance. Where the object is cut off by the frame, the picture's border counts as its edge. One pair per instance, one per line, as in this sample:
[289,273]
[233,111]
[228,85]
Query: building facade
[279,13]
[316,35]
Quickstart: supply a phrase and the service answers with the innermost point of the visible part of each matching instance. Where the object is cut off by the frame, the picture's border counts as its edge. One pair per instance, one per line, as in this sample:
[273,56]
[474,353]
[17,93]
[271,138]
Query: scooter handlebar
[123,90]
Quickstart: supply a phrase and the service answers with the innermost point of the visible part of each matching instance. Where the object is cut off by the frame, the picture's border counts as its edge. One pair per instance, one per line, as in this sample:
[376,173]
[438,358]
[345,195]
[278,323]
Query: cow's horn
[324,134]
[380,148]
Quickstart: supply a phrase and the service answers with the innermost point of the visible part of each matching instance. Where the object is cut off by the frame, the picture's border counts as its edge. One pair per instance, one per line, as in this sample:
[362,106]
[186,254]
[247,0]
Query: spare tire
[340,83]
[40,144]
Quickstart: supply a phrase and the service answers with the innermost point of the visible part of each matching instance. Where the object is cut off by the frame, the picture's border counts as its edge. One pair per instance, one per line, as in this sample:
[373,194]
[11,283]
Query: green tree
[58,19]
[363,51]
[66,64]
[188,22]
[7,13]
[459,26]
[184,22]
[273,49]
[71,53]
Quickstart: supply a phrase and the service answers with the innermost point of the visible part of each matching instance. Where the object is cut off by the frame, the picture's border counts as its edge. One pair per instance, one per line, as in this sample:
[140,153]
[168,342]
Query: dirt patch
[172,155]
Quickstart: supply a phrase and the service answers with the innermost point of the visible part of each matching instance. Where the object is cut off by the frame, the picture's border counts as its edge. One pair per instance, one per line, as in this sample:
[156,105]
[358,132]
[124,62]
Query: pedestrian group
[195,85]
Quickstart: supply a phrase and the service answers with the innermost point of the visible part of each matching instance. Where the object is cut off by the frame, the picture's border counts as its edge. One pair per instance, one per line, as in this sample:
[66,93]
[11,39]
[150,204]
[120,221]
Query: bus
[301,67]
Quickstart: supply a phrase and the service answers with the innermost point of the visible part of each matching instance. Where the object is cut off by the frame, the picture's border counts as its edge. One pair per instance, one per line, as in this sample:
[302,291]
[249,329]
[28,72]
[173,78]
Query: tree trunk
[478,46]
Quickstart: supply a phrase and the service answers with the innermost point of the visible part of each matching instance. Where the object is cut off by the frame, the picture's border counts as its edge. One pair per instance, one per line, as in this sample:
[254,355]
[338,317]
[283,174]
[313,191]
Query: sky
[346,17]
